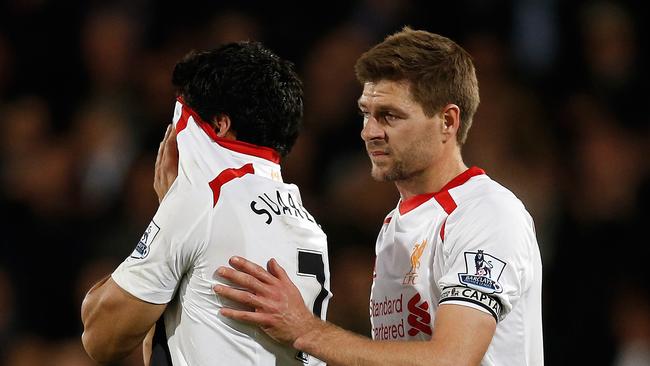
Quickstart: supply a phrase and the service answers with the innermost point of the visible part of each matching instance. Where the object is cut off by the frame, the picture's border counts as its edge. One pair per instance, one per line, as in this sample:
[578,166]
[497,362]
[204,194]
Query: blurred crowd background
[85,96]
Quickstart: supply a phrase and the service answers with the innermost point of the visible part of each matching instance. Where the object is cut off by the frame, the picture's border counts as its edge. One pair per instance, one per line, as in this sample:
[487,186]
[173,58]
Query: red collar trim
[415,201]
[234,145]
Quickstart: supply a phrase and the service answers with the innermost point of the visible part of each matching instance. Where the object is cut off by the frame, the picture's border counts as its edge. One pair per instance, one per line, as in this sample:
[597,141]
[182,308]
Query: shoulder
[488,212]
[187,193]
[185,206]
[486,200]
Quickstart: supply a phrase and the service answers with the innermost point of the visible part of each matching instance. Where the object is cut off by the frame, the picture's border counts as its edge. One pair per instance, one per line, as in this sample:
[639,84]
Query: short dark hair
[259,91]
[438,70]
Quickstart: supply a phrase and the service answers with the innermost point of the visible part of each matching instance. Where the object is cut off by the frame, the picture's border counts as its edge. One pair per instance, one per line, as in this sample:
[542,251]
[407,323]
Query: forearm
[338,347]
[109,333]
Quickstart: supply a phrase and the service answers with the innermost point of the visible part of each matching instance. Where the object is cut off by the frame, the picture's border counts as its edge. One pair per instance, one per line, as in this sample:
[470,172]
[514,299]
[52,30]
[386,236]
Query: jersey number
[311,264]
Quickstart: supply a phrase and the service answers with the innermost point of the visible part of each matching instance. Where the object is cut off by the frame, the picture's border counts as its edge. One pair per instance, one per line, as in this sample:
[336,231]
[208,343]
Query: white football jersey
[472,244]
[228,199]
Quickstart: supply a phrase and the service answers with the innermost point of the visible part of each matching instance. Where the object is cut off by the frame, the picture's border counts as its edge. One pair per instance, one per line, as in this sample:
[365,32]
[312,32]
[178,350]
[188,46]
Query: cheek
[422,147]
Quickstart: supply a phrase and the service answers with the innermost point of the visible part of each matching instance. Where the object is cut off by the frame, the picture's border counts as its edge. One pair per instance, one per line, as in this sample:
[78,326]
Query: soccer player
[458,271]
[237,114]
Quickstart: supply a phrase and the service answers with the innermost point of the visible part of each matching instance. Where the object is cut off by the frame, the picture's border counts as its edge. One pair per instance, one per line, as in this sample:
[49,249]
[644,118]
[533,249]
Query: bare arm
[461,335]
[147,346]
[115,322]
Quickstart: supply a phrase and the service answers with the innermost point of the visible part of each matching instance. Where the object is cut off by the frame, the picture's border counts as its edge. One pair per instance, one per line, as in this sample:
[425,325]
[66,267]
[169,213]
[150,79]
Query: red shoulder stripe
[225,177]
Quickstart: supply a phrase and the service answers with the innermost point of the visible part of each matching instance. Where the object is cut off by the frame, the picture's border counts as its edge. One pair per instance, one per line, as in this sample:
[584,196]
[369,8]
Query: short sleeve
[168,247]
[488,255]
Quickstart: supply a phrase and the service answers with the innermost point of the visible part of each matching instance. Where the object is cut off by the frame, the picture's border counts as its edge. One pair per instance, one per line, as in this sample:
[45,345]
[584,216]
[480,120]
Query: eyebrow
[383,108]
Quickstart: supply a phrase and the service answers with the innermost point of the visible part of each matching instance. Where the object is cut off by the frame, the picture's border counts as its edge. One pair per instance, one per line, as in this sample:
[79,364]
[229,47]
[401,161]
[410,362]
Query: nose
[372,130]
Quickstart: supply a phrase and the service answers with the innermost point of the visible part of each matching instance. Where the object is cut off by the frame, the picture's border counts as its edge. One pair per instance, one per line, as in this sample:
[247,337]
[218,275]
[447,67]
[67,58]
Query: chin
[378,174]
[382,175]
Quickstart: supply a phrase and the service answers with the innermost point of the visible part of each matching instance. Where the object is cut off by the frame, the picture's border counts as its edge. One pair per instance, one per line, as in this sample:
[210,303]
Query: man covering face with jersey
[238,112]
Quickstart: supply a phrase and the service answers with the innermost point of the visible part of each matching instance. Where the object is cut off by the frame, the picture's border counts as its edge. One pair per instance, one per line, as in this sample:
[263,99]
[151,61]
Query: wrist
[314,330]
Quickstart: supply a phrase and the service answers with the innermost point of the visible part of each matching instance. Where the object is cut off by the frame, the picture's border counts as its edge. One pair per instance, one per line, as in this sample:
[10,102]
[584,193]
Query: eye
[390,117]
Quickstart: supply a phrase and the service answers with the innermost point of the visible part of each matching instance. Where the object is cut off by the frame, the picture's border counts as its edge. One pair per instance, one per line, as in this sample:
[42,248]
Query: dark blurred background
[85,96]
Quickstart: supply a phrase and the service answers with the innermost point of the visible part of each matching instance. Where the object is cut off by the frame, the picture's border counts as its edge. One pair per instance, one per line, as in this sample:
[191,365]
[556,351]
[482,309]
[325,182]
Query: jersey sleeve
[168,247]
[488,255]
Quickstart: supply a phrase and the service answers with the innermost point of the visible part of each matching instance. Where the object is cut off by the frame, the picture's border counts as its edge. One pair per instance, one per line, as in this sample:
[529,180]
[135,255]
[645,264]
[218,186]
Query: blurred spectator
[535,36]
[109,41]
[105,144]
[614,73]
[332,123]
[511,135]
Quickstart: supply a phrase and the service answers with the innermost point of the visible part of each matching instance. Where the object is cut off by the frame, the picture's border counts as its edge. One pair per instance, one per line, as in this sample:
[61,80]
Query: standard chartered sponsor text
[387,306]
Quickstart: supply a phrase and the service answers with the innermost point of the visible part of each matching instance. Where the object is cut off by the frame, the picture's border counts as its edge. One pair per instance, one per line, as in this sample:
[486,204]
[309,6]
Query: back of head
[256,89]
[438,70]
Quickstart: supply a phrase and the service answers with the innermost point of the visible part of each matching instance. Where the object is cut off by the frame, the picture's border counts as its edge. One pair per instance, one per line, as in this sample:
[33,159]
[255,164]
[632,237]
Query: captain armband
[466,294]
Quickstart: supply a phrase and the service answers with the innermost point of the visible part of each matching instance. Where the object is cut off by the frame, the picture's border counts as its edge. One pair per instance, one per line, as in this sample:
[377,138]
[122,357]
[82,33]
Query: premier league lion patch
[142,249]
[482,272]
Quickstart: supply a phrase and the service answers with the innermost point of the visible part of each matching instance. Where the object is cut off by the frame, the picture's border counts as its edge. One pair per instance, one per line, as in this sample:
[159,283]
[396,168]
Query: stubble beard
[408,166]
[397,172]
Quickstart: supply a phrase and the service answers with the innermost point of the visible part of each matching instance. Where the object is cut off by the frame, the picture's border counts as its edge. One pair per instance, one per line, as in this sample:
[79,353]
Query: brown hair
[438,70]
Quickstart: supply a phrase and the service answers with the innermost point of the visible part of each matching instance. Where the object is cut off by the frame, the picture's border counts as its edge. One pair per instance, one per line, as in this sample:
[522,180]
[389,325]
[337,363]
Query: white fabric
[176,259]
[483,216]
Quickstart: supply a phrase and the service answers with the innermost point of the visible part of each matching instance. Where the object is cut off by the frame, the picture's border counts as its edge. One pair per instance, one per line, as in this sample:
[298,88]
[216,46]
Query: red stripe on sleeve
[225,177]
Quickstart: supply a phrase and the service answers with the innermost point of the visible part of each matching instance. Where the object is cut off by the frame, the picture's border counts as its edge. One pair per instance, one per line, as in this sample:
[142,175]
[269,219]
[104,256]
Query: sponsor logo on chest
[389,315]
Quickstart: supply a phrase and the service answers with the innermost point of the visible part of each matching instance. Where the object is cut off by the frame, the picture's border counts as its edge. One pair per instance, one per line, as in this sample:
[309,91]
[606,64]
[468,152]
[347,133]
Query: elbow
[99,351]
[99,342]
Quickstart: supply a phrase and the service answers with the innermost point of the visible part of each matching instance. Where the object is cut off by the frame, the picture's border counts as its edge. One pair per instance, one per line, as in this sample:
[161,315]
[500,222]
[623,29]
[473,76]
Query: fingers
[169,151]
[166,167]
[277,271]
[171,139]
[240,296]
[161,147]
[248,267]
[246,316]
[241,279]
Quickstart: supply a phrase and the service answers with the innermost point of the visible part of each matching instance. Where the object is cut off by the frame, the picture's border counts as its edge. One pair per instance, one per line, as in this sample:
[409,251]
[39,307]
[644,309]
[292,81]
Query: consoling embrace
[458,254]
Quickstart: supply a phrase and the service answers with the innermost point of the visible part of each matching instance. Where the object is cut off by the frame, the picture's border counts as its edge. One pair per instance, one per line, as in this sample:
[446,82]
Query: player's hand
[166,163]
[279,308]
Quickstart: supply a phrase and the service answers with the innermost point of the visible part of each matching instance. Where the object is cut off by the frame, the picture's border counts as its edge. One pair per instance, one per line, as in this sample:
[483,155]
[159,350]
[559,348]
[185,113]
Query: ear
[450,121]
[222,126]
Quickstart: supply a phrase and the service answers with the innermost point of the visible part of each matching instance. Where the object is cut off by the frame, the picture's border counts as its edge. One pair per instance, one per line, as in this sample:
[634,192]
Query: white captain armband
[476,297]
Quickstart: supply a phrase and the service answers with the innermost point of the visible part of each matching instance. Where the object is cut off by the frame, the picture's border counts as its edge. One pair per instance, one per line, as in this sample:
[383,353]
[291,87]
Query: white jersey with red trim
[228,199]
[472,244]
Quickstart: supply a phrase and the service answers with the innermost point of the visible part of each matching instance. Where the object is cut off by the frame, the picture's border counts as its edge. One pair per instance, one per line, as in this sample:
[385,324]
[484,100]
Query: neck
[433,178]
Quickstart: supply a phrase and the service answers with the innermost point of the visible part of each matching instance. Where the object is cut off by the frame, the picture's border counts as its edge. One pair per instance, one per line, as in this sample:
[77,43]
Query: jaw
[380,170]
[377,173]
[386,172]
